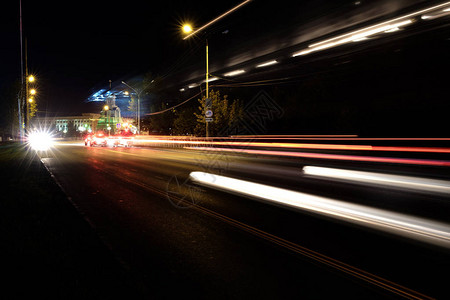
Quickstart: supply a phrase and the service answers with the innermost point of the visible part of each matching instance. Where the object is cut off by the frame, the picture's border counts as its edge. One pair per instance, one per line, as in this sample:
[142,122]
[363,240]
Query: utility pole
[27,108]
[22,96]
[207,87]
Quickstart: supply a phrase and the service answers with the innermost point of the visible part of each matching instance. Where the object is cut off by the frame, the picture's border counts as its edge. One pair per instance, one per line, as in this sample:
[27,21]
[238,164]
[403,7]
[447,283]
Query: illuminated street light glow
[187,28]
[269,63]
[31,78]
[234,73]
[33,92]
[417,228]
[392,30]
[358,35]
[387,26]
[106,107]
[212,79]
[364,32]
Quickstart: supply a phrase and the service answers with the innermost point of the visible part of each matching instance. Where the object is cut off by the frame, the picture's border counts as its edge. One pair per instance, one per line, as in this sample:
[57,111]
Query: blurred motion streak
[408,182]
[216,19]
[338,147]
[412,161]
[363,33]
[420,229]
[294,145]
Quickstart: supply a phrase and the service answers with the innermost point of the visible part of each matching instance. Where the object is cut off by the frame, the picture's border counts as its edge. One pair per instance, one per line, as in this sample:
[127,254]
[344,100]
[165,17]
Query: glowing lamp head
[106,107]
[31,78]
[33,92]
[187,28]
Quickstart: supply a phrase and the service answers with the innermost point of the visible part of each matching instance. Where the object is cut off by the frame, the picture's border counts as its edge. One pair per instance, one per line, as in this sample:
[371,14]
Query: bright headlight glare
[40,141]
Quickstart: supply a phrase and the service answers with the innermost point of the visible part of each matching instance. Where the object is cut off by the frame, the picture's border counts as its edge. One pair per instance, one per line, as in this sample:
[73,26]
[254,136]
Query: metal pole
[27,108]
[207,69]
[139,114]
[207,87]
[20,100]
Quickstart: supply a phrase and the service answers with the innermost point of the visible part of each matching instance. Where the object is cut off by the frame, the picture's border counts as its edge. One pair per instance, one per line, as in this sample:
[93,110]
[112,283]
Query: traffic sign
[208,113]
[209,119]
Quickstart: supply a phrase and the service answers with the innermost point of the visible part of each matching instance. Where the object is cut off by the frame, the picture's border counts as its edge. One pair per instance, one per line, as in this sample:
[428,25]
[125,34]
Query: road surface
[182,237]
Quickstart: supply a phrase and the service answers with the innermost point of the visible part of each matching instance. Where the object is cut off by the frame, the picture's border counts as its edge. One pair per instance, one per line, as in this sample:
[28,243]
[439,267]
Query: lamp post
[187,29]
[107,115]
[189,32]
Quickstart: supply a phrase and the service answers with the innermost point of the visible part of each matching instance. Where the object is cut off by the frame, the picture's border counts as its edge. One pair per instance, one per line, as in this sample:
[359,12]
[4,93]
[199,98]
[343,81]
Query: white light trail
[211,79]
[216,19]
[358,35]
[386,26]
[234,73]
[421,229]
[406,182]
[269,63]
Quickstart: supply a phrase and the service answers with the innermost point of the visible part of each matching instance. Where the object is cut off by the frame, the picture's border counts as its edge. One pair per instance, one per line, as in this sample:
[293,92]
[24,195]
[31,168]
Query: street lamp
[107,115]
[187,29]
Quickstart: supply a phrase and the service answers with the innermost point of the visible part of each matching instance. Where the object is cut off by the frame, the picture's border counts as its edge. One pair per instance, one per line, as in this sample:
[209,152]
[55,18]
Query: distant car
[96,139]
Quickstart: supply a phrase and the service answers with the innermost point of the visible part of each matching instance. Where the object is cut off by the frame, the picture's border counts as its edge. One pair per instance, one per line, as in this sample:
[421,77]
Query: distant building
[86,122]
[110,118]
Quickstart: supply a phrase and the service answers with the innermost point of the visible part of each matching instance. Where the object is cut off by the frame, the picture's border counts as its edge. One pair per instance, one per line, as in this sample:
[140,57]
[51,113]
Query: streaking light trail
[183,140]
[363,33]
[421,229]
[392,160]
[217,19]
[407,182]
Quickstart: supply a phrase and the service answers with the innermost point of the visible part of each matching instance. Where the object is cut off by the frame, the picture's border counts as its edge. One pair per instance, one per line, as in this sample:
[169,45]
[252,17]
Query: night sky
[75,48]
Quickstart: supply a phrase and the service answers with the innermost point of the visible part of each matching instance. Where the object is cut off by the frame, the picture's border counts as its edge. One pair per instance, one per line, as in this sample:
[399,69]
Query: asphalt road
[178,238]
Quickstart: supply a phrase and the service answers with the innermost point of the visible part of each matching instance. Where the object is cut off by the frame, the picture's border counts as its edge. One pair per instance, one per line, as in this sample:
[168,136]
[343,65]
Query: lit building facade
[86,122]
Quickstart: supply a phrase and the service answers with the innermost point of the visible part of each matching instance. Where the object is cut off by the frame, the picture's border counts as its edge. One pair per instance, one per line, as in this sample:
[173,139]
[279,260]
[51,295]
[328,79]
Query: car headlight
[40,140]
